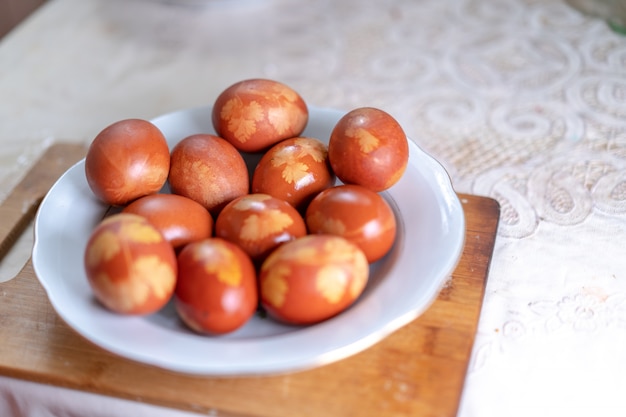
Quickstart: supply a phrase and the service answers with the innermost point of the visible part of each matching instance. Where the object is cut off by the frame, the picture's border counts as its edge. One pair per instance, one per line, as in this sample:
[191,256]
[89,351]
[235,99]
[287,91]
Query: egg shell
[259,223]
[356,213]
[216,291]
[294,170]
[129,265]
[368,147]
[257,113]
[180,219]
[209,170]
[127,160]
[312,278]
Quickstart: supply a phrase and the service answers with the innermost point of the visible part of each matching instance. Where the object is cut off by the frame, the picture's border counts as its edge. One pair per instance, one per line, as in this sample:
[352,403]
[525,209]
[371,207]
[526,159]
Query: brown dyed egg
[257,113]
[180,219]
[130,266]
[127,160]
[259,223]
[368,147]
[312,278]
[209,170]
[357,214]
[294,170]
[216,292]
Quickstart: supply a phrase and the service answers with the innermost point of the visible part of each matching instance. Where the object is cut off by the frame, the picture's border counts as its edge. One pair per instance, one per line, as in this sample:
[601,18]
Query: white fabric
[521,100]
[19,398]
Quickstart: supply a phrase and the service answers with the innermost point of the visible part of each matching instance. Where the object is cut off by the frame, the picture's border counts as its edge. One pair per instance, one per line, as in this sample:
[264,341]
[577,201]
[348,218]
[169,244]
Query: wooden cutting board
[419,370]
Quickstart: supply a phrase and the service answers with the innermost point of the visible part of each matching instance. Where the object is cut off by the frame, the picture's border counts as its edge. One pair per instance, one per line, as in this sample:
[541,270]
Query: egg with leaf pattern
[259,223]
[357,213]
[312,279]
[208,170]
[368,147]
[216,290]
[256,113]
[131,268]
[294,170]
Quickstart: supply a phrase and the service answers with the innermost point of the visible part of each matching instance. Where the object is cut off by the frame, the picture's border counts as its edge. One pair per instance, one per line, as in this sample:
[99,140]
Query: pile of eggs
[227,240]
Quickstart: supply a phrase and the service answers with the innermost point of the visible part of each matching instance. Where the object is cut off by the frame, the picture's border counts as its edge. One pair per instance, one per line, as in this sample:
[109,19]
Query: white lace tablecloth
[521,100]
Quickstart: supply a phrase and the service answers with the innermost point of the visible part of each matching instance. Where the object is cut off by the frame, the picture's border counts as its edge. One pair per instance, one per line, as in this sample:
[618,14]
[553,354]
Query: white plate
[429,242]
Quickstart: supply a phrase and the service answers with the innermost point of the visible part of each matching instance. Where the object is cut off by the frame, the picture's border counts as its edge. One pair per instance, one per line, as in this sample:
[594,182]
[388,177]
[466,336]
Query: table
[522,101]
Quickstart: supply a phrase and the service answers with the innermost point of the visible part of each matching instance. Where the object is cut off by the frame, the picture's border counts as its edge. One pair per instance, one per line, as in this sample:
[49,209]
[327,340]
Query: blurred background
[14,11]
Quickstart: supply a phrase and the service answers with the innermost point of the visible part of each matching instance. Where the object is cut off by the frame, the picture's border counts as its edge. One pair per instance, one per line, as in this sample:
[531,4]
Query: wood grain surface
[418,370]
